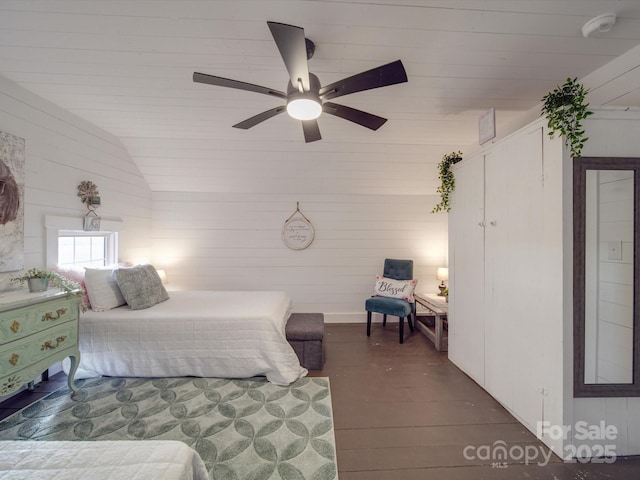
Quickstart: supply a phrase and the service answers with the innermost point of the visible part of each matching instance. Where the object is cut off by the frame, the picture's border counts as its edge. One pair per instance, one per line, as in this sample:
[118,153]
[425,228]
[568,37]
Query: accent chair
[397,270]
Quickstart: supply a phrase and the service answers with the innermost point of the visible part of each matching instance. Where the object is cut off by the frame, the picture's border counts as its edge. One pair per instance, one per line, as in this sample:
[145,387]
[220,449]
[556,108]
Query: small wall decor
[297,231]
[89,195]
[11,202]
[487,126]
[91,222]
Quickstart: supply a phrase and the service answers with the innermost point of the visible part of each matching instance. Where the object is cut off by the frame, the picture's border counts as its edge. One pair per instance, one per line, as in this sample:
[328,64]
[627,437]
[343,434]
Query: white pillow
[389,287]
[102,288]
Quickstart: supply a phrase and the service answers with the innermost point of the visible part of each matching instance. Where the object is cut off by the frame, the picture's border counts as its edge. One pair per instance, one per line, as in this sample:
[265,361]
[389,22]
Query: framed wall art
[91,222]
[11,202]
[297,231]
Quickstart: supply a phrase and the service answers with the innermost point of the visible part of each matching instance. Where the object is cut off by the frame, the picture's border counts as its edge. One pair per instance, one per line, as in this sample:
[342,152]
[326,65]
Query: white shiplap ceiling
[127,65]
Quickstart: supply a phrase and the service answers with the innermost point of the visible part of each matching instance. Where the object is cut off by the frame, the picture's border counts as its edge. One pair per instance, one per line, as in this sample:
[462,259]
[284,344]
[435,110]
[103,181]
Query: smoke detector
[601,24]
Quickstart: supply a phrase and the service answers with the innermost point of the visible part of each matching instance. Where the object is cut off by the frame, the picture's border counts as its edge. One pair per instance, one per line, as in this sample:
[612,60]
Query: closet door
[466,269]
[514,254]
[499,271]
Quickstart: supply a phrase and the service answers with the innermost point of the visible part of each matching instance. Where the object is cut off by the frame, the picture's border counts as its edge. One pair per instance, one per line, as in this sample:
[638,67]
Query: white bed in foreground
[194,333]
[108,460]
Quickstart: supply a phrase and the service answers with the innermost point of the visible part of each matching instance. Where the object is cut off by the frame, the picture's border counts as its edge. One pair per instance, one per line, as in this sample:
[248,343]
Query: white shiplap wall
[227,241]
[61,150]
[363,210]
[611,134]
[222,229]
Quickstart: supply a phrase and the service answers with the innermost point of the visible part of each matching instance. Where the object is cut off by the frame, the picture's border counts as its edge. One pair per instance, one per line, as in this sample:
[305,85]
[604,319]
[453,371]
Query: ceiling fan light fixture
[304,106]
[306,98]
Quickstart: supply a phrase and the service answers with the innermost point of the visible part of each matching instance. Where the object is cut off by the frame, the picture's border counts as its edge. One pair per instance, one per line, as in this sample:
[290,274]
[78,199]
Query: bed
[193,333]
[133,460]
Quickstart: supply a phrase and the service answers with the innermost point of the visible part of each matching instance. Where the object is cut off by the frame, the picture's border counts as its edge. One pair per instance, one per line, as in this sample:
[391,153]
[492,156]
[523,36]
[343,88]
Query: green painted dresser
[36,331]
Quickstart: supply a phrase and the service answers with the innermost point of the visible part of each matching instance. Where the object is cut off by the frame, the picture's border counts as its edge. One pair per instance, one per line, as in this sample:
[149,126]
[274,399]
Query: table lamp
[163,276]
[442,274]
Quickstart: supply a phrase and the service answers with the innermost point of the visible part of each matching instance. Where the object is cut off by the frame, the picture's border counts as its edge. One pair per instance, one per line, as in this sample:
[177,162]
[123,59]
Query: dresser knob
[15,326]
[14,359]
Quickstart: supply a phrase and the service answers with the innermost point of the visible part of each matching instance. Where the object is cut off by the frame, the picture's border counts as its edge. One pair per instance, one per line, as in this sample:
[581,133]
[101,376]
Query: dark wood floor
[405,412]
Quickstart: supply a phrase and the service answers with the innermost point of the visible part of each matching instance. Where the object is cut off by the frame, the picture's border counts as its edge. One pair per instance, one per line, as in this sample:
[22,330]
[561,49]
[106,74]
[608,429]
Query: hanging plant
[447,182]
[565,108]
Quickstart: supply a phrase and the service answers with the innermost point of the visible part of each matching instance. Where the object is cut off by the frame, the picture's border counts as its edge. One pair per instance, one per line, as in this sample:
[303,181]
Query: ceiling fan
[306,98]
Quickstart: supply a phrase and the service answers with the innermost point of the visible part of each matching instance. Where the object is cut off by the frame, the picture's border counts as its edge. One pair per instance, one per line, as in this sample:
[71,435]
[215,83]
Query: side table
[439,306]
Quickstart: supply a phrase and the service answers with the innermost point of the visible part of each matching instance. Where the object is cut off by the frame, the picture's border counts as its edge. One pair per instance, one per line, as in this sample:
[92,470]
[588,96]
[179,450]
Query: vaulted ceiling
[127,65]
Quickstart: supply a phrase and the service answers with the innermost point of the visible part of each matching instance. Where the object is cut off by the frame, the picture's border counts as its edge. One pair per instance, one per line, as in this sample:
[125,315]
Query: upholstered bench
[305,333]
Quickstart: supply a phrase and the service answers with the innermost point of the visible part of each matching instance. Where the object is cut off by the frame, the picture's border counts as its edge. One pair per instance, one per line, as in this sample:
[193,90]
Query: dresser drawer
[16,324]
[35,348]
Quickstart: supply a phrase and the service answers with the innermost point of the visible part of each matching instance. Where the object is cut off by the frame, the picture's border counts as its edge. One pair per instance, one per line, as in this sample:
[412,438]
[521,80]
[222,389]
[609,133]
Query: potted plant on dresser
[39,280]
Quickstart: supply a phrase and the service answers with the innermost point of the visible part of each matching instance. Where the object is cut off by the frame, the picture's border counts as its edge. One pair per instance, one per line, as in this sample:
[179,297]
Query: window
[71,247]
[79,250]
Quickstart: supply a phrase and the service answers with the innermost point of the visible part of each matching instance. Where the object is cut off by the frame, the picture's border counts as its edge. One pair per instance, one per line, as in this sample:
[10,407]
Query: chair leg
[410,323]
[368,324]
[384,319]
[401,329]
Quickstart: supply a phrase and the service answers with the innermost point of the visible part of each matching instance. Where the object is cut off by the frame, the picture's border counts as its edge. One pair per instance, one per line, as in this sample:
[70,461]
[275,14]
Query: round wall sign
[297,233]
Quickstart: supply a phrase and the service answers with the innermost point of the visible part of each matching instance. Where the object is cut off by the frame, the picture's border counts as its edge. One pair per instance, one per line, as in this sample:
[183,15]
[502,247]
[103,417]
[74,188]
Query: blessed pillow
[141,286]
[389,287]
[102,289]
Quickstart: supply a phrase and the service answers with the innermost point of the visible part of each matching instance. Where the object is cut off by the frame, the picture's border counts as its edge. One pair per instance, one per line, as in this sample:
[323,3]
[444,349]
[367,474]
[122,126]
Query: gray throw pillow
[141,286]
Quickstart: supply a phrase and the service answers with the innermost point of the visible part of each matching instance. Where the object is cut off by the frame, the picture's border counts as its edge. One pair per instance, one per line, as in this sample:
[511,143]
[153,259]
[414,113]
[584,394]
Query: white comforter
[194,333]
[130,460]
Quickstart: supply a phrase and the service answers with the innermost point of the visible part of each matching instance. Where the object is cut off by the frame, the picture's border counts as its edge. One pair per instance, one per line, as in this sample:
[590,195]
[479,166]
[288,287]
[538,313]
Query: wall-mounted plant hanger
[447,182]
[565,108]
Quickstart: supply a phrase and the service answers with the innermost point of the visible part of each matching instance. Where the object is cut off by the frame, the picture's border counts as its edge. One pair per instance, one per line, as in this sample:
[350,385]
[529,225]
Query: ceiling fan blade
[226,82]
[293,50]
[365,119]
[311,131]
[382,76]
[261,117]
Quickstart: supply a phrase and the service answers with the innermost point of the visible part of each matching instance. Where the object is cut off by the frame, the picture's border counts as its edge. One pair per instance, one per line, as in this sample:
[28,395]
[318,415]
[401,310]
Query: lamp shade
[442,273]
[163,276]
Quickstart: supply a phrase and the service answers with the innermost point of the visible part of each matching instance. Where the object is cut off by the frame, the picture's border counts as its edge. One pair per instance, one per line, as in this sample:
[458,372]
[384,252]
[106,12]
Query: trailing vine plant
[565,108]
[447,182]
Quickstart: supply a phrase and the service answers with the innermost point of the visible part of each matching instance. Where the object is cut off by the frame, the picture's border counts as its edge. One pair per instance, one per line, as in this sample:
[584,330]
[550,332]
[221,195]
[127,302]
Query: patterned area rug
[242,429]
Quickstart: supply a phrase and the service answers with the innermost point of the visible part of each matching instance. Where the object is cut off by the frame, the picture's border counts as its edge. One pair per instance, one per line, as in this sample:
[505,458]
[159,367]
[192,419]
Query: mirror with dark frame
[606,205]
